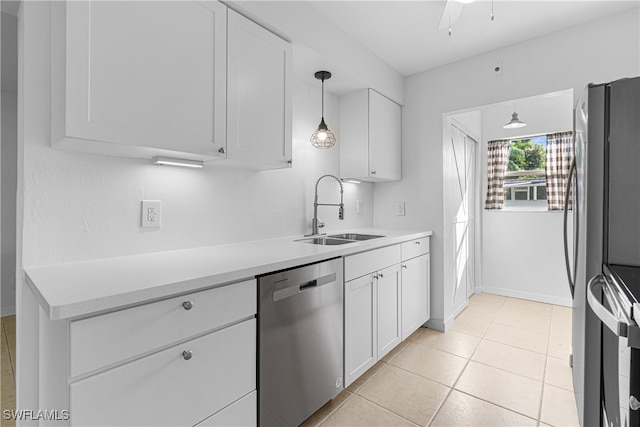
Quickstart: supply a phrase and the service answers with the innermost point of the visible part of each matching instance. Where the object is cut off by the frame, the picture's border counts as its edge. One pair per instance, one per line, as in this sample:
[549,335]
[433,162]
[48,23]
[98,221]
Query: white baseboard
[531,296]
[439,324]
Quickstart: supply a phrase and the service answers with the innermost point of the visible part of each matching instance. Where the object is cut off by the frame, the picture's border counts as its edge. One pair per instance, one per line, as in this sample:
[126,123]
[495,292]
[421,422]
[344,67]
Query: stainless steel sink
[355,236]
[325,241]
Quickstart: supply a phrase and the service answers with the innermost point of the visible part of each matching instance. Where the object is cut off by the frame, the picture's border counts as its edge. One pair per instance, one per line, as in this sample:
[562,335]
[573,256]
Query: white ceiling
[405,34]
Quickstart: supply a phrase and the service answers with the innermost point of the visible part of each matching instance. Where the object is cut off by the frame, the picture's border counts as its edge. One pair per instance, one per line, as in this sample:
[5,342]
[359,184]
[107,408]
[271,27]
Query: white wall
[599,51]
[522,252]
[8,156]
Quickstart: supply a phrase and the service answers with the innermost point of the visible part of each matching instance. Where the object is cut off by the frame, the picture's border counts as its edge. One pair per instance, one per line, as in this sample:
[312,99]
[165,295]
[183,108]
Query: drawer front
[367,262]
[166,389]
[103,340]
[242,413]
[414,248]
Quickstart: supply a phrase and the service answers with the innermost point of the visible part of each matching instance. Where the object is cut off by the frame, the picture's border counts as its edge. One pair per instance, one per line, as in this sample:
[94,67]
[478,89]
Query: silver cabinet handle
[404,266]
[188,305]
[290,161]
[221,150]
[606,317]
[418,242]
[373,172]
[381,275]
[375,276]
[187,354]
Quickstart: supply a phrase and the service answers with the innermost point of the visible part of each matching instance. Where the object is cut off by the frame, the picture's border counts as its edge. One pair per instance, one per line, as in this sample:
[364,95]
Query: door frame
[449,257]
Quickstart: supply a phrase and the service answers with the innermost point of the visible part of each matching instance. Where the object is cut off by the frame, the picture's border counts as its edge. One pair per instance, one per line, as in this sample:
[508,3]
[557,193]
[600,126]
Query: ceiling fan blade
[453,7]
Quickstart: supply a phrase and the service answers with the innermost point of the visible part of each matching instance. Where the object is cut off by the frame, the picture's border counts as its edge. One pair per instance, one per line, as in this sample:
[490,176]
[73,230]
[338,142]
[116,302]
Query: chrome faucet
[315,222]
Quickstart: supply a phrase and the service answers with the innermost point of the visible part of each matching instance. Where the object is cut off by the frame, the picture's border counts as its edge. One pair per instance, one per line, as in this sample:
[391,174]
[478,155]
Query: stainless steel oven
[610,298]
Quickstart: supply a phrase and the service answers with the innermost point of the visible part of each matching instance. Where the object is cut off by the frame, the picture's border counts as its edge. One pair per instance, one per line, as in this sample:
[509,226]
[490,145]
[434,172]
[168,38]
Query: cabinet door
[385,136]
[168,388]
[259,96]
[415,294]
[388,291]
[139,78]
[359,323]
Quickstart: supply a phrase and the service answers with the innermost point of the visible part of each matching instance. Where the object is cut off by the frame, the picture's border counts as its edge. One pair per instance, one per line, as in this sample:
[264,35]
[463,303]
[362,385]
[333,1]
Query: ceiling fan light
[515,122]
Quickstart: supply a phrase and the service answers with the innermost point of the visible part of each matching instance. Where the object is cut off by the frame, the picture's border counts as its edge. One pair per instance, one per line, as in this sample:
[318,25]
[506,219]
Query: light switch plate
[400,209]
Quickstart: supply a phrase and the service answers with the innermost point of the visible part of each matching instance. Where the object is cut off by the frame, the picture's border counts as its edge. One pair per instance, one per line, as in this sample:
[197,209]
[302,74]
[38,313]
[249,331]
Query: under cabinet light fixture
[170,161]
[323,137]
[351,181]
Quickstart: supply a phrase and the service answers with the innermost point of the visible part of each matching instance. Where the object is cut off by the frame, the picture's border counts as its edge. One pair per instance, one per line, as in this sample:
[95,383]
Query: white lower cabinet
[181,385]
[196,362]
[372,309]
[386,300]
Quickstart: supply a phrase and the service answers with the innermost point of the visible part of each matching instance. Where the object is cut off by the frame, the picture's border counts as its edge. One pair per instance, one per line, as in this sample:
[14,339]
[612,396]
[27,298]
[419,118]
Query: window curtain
[559,157]
[497,162]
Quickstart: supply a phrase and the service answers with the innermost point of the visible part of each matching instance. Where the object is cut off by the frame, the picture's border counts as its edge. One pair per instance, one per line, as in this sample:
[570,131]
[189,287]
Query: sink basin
[355,236]
[325,241]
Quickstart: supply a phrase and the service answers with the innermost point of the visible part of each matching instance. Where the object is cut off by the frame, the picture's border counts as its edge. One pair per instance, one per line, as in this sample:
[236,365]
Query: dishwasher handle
[297,289]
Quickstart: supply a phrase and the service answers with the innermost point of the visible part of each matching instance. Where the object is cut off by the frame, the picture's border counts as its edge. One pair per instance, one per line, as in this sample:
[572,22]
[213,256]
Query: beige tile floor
[503,363]
[8,365]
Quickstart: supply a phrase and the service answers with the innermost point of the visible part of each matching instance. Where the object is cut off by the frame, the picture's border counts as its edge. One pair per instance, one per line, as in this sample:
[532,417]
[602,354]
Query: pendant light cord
[323,98]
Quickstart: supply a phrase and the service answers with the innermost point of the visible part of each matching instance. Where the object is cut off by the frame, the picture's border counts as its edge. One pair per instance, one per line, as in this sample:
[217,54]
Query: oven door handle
[618,327]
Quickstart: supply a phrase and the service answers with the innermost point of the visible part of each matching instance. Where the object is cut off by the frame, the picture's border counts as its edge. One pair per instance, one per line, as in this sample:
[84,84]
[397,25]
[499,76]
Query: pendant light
[323,137]
[515,122]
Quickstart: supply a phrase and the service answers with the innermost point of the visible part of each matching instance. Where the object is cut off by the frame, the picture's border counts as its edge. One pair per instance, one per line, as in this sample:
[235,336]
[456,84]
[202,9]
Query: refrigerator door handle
[618,327]
[572,285]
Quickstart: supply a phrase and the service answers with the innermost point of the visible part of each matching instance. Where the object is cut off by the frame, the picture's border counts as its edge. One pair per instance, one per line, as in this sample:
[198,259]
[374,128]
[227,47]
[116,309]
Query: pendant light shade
[323,137]
[515,122]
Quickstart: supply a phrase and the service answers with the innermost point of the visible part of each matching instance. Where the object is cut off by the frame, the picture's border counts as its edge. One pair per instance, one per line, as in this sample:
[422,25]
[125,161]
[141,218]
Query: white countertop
[89,287]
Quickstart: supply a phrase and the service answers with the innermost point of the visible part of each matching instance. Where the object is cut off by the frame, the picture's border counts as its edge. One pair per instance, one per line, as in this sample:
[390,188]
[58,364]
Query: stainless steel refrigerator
[606,254]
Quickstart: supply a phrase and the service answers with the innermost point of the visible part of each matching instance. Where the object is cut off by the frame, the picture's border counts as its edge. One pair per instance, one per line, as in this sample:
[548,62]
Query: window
[525,184]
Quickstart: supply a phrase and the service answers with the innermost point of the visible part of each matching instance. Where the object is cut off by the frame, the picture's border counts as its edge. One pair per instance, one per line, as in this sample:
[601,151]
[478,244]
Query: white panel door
[259,96]
[389,309]
[415,294]
[463,198]
[360,319]
[146,74]
[385,134]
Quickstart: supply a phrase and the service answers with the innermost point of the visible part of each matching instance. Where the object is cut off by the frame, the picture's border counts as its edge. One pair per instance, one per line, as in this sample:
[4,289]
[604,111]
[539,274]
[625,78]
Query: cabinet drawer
[103,340]
[367,262]
[166,389]
[244,412]
[414,248]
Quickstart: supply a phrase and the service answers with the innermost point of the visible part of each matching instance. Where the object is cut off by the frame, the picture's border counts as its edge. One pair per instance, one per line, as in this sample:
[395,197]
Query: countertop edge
[57,308]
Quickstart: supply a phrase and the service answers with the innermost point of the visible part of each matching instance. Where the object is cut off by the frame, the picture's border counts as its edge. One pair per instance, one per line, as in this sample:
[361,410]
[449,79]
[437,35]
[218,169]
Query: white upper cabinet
[370,137]
[139,79]
[259,96]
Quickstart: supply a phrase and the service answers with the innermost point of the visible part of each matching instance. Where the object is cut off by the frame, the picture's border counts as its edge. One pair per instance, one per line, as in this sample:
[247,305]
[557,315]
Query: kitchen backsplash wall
[81,206]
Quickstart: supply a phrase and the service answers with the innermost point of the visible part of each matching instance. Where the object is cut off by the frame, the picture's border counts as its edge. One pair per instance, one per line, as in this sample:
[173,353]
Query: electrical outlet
[359,206]
[151,216]
[400,209]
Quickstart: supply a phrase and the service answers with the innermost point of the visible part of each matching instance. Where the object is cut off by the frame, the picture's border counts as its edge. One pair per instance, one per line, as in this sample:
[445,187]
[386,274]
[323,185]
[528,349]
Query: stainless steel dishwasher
[300,341]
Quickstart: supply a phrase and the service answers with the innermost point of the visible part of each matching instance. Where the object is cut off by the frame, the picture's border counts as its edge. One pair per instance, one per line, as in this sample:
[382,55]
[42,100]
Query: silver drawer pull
[404,265]
[187,354]
[188,305]
[381,275]
[418,242]
[373,172]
